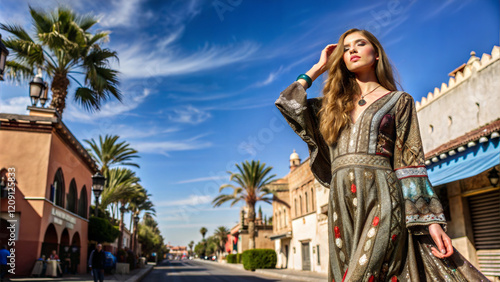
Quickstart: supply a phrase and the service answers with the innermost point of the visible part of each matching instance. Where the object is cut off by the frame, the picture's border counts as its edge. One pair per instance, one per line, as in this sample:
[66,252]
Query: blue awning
[466,164]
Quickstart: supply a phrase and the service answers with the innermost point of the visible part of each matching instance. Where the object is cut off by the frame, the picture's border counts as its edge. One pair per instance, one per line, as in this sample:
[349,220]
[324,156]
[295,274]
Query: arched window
[278,221]
[71,200]
[57,190]
[307,203]
[284,215]
[295,204]
[300,203]
[312,199]
[82,203]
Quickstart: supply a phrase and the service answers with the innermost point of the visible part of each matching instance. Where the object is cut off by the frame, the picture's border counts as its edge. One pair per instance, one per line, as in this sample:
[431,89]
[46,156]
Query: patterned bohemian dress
[381,201]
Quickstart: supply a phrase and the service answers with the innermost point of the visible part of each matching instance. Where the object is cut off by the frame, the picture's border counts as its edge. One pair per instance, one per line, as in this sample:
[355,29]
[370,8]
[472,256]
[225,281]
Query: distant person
[54,255]
[97,261]
[4,253]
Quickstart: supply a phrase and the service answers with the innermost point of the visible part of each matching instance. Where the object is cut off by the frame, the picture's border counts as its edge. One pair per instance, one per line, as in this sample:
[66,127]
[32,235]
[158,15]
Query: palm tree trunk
[120,239]
[251,227]
[59,91]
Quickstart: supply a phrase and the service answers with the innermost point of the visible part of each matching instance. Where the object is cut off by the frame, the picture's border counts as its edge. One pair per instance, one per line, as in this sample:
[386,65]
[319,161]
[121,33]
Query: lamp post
[3,57]
[493,177]
[97,186]
[136,221]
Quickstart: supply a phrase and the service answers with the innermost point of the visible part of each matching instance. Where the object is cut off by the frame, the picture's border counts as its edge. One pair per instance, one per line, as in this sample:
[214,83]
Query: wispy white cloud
[15,105]
[140,60]
[191,200]
[164,147]
[189,114]
[121,13]
[112,108]
[201,179]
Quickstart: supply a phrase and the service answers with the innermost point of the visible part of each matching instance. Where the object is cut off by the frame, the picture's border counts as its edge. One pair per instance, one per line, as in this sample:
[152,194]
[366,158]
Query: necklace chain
[363,96]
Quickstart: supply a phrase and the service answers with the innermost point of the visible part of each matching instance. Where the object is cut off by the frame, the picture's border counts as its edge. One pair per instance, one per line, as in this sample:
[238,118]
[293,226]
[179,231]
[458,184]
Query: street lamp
[97,186]
[3,57]
[493,177]
[37,86]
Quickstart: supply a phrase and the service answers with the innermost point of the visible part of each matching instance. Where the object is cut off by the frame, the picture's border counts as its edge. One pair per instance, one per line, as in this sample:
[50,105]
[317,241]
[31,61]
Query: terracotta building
[52,172]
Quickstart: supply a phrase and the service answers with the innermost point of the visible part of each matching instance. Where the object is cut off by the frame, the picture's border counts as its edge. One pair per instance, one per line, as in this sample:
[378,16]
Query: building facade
[51,176]
[300,231]
[460,125]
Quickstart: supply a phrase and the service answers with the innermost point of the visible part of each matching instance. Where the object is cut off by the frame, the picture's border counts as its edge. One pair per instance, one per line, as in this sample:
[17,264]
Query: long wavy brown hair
[340,87]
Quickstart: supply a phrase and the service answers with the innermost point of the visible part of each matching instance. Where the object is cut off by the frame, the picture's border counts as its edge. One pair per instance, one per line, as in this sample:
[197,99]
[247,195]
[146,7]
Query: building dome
[294,156]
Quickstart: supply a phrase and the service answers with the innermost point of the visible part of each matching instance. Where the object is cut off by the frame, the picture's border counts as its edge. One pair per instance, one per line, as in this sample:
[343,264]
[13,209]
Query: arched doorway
[50,241]
[4,232]
[64,246]
[75,252]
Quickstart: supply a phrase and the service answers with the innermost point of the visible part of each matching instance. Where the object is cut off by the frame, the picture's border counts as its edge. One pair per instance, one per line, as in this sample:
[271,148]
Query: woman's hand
[320,66]
[325,54]
[443,242]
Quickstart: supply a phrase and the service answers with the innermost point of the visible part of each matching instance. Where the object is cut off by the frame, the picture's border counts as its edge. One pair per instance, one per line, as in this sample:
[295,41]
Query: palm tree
[109,152]
[63,47]
[221,234]
[120,184]
[141,202]
[251,180]
[190,245]
[203,231]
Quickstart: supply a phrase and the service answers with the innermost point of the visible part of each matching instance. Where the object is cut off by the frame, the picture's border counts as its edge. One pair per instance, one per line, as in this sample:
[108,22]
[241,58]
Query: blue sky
[200,79]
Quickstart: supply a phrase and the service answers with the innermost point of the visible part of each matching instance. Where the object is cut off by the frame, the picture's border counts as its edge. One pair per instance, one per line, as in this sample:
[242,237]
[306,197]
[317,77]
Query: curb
[289,276]
[273,274]
[139,276]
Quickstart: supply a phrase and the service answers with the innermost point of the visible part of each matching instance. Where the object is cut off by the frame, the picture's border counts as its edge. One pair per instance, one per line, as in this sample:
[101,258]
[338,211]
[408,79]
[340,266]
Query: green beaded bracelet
[306,78]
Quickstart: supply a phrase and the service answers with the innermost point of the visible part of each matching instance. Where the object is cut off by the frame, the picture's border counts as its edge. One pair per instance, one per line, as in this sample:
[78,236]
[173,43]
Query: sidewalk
[286,274]
[135,276]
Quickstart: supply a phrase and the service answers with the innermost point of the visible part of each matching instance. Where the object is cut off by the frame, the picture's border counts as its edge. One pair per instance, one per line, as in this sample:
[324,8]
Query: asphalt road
[192,270]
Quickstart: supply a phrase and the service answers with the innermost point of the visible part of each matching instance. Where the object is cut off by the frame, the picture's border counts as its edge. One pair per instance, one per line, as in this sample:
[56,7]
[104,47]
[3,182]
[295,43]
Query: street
[193,270]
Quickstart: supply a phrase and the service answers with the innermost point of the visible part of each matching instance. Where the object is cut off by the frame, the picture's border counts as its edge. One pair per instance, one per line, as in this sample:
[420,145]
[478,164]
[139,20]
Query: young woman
[385,221]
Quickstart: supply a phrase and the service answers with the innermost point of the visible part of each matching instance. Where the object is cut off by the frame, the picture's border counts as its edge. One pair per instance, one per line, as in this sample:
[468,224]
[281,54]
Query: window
[312,199]
[307,203]
[300,203]
[295,203]
[284,215]
[276,217]
[71,197]
[82,203]
[57,189]
[278,221]
[317,252]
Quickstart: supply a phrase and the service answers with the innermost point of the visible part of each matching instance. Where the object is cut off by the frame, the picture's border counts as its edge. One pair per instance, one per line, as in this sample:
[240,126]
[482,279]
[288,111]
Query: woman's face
[359,54]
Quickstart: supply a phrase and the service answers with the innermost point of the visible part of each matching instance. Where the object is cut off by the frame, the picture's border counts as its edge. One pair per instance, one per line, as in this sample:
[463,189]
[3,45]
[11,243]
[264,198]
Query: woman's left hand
[443,242]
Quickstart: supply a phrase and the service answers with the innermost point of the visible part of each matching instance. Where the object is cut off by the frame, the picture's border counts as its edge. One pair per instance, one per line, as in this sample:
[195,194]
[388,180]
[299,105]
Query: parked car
[110,264]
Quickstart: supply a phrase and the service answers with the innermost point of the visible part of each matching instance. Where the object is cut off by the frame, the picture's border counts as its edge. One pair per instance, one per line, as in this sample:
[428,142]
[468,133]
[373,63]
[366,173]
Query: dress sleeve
[301,115]
[421,202]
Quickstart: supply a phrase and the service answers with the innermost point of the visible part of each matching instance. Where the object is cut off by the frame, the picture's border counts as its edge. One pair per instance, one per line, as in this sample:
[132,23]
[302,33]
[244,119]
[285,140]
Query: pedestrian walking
[97,261]
[385,222]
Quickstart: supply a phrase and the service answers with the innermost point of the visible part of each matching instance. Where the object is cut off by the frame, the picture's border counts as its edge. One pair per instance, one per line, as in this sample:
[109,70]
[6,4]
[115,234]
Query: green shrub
[238,258]
[259,258]
[231,258]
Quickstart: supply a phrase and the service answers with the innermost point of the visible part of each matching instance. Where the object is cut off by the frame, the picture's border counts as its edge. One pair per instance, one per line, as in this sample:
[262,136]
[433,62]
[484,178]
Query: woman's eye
[346,49]
[361,44]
